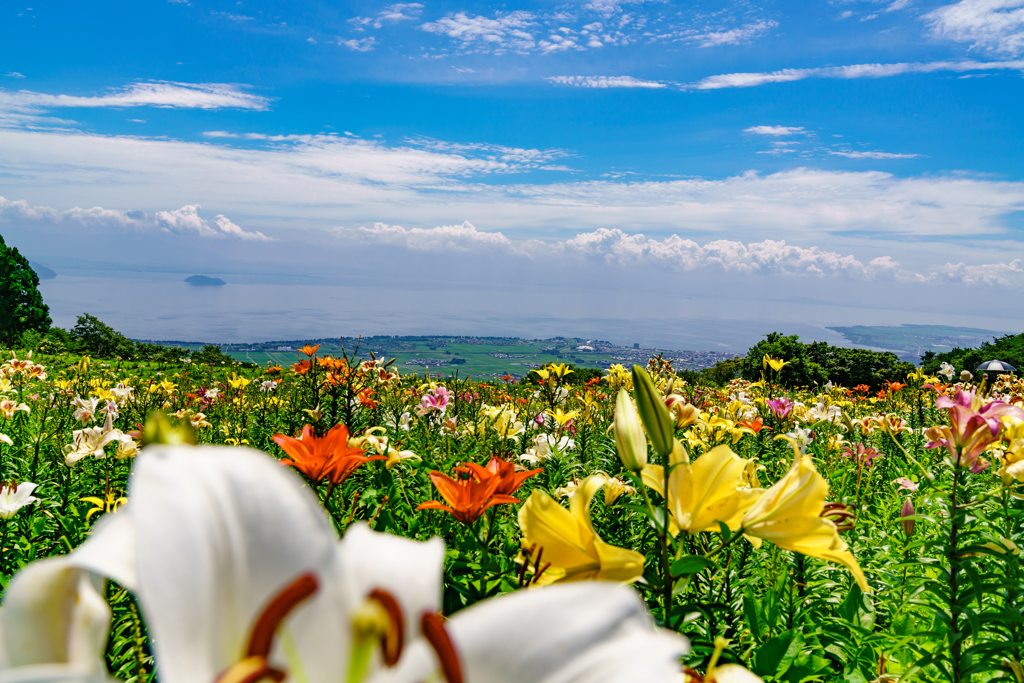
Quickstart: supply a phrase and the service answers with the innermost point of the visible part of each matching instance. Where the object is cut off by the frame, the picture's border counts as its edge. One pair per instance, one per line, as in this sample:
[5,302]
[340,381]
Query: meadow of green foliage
[922,478]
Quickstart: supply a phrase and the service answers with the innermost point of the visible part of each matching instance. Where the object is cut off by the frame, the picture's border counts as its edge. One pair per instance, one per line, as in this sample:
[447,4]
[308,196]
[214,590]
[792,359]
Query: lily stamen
[393,640]
[254,666]
[435,633]
[274,613]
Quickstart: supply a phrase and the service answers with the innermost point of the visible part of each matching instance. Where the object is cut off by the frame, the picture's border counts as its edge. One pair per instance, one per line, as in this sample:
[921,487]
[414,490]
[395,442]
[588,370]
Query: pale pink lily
[974,426]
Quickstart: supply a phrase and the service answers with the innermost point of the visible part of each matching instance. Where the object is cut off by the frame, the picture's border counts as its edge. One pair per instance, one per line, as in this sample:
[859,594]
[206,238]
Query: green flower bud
[659,424]
[629,434]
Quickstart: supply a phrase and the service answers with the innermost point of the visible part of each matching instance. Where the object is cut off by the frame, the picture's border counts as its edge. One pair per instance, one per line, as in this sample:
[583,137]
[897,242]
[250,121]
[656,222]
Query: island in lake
[204,281]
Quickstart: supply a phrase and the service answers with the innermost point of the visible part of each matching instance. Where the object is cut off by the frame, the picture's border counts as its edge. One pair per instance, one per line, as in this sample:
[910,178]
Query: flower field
[630,527]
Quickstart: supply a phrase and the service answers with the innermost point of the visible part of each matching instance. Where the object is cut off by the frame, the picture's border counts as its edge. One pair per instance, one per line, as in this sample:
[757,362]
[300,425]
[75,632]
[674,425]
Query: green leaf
[750,612]
[769,656]
[660,426]
[726,532]
[691,564]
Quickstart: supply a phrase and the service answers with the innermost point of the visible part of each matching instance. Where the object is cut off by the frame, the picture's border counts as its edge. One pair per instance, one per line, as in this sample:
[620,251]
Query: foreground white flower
[239,574]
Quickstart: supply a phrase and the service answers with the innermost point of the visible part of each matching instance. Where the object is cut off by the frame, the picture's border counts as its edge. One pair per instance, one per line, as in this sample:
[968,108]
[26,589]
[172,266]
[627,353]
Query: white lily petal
[220,532]
[410,570]
[569,633]
[54,624]
[110,550]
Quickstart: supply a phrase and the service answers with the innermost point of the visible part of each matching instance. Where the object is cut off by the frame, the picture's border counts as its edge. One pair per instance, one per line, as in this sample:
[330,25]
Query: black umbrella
[997,366]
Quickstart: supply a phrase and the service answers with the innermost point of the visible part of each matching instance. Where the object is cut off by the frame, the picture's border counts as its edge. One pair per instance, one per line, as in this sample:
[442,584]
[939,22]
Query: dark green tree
[819,362]
[21,305]
[92,336]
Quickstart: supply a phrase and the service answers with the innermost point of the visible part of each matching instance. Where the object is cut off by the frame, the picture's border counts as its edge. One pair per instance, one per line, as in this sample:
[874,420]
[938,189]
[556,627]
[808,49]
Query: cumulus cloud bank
[617,249]
[183,221]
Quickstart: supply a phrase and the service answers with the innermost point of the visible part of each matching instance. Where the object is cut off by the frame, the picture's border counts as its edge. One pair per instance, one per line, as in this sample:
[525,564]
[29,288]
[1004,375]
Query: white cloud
[402,11]
[774,130]
[480,33]
[746,80]
[446,238]
[872,155]
[360,45]
[152,93]
[232,17]
[732,36]
[317,181]
[605,82]
[992,25]
[517,159]
[617,249]
[1006,274]
[14,74]
[183,221]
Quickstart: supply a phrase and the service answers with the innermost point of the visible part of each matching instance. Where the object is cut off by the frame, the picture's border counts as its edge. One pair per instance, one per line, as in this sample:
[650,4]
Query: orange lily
[510,479]
[326,457]
[755,425]
[302,367]
[467,498]
[309,350]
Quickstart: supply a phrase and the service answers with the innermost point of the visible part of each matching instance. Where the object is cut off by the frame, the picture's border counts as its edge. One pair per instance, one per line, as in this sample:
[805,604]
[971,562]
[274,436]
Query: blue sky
[862,154]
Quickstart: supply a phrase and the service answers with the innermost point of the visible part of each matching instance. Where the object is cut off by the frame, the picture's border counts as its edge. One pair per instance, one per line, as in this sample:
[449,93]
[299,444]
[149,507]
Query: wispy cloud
[240,18]
[991,25]
[152,94]
[605,82]
[872,155]
[14,74]
[358,45]
[747,80]
[183,221]
[402,11]
[774,130]
[479,33]
[732,36]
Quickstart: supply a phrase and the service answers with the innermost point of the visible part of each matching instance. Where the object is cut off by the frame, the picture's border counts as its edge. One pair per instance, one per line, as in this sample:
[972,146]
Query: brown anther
[839,514]
[394,640]
[433,630]
[274,613]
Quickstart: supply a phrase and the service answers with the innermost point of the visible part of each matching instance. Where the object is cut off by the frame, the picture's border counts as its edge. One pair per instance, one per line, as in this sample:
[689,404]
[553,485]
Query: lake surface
[161,306]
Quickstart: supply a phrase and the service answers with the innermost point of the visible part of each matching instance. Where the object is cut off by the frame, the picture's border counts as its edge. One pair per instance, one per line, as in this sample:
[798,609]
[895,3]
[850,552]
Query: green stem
[954,576]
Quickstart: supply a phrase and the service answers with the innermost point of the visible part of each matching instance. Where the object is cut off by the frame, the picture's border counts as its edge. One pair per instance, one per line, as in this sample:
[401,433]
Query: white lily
[91,441]
[54,621]
[239,574]
[569,633]
[14,498]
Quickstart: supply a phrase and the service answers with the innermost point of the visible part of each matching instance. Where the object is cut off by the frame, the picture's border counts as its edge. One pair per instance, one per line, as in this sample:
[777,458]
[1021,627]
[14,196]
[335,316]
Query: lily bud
[629,434]
[905,513]
[659,424]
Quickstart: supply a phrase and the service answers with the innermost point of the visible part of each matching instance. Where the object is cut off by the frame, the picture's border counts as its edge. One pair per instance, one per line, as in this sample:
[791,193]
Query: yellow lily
[1013,459]
[789,515]
[108,504]
[560,370]
[567,539]
[706,492]
[237,382]
[562,417]
[776,363]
